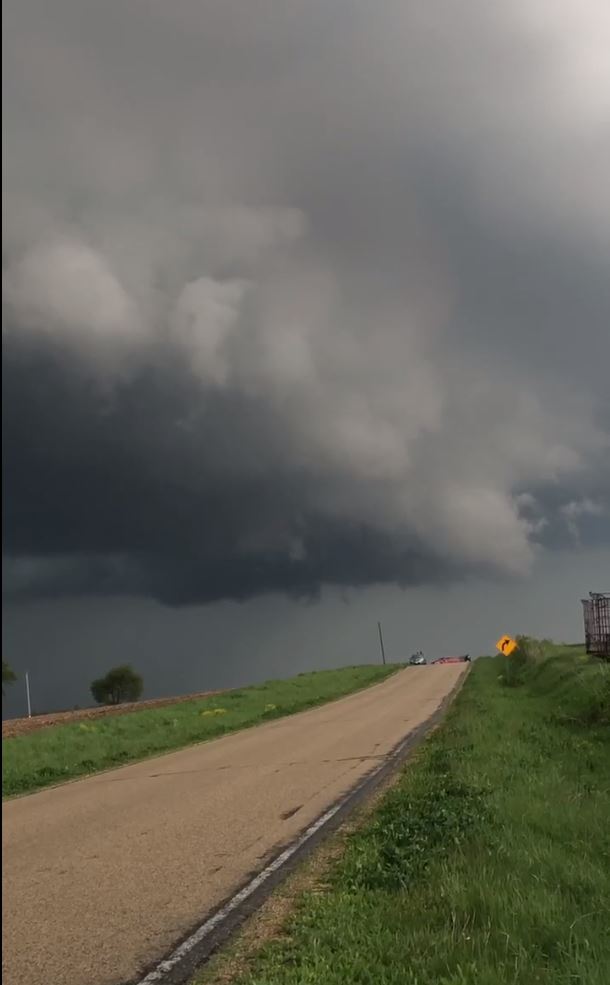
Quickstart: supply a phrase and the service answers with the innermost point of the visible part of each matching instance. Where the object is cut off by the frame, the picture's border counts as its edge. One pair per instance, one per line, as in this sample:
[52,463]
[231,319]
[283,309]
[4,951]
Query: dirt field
[20,726]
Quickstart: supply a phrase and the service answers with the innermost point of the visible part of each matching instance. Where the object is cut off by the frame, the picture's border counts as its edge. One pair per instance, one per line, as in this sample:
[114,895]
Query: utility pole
[27,692]
[381,642]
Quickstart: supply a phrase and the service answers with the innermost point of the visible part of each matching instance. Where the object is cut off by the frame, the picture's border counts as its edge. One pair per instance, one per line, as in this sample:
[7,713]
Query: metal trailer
[596,611]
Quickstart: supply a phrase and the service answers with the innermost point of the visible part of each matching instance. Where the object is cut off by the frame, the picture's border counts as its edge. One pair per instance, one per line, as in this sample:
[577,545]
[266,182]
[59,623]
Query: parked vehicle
[453,660]
[417,660]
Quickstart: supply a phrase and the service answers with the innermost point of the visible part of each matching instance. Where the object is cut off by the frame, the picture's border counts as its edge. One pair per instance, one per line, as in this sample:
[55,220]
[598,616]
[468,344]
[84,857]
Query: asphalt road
[102,876]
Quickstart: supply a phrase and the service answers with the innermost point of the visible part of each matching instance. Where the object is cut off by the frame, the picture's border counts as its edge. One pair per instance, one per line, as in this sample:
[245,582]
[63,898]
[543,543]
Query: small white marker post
[27,692]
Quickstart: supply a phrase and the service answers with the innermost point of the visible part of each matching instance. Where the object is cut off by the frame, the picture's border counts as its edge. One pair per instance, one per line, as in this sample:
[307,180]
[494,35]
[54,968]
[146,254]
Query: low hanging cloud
[302,295]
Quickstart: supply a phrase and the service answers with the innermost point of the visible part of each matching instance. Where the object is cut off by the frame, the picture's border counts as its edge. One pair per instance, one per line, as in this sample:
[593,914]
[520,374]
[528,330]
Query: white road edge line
[156,975]
[162,969]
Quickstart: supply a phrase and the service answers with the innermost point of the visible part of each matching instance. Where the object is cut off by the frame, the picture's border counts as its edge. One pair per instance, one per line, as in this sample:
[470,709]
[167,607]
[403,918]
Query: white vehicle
[417,660]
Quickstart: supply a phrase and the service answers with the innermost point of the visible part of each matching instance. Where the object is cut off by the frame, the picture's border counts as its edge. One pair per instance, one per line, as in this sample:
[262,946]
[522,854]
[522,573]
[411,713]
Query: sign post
[507,645]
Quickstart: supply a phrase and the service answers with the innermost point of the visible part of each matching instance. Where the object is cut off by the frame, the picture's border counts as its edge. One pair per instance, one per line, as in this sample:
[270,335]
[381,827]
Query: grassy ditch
[489,862]
[76,749]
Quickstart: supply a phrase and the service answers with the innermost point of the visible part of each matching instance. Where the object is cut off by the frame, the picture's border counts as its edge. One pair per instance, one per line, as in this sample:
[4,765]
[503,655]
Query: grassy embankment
[489,862]
[66,751]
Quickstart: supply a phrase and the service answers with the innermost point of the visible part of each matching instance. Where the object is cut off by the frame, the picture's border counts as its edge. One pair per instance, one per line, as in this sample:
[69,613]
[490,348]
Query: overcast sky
[303,302]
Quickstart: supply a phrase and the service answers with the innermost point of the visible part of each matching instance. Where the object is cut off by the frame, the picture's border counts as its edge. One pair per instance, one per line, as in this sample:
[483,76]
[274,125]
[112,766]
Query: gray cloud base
[302,296]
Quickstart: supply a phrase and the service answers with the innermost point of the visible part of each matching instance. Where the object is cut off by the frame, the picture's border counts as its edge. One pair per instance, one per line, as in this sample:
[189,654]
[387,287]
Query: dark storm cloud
[302,295]
[100,520]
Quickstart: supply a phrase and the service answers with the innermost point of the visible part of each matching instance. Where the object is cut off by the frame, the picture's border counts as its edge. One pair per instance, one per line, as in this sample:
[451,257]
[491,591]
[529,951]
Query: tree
[8,675]
[120,684]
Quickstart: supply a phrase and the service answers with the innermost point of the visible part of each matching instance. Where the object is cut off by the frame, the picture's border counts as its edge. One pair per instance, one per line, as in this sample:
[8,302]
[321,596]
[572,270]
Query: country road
[102,876]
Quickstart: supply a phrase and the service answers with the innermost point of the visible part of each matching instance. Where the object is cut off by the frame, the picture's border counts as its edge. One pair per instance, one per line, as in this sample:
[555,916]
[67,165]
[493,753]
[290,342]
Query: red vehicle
[453,660]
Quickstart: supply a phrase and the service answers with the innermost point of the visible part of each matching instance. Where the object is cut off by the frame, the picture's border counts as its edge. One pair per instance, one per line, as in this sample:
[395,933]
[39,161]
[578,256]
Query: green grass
[489,862]
[67,751]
